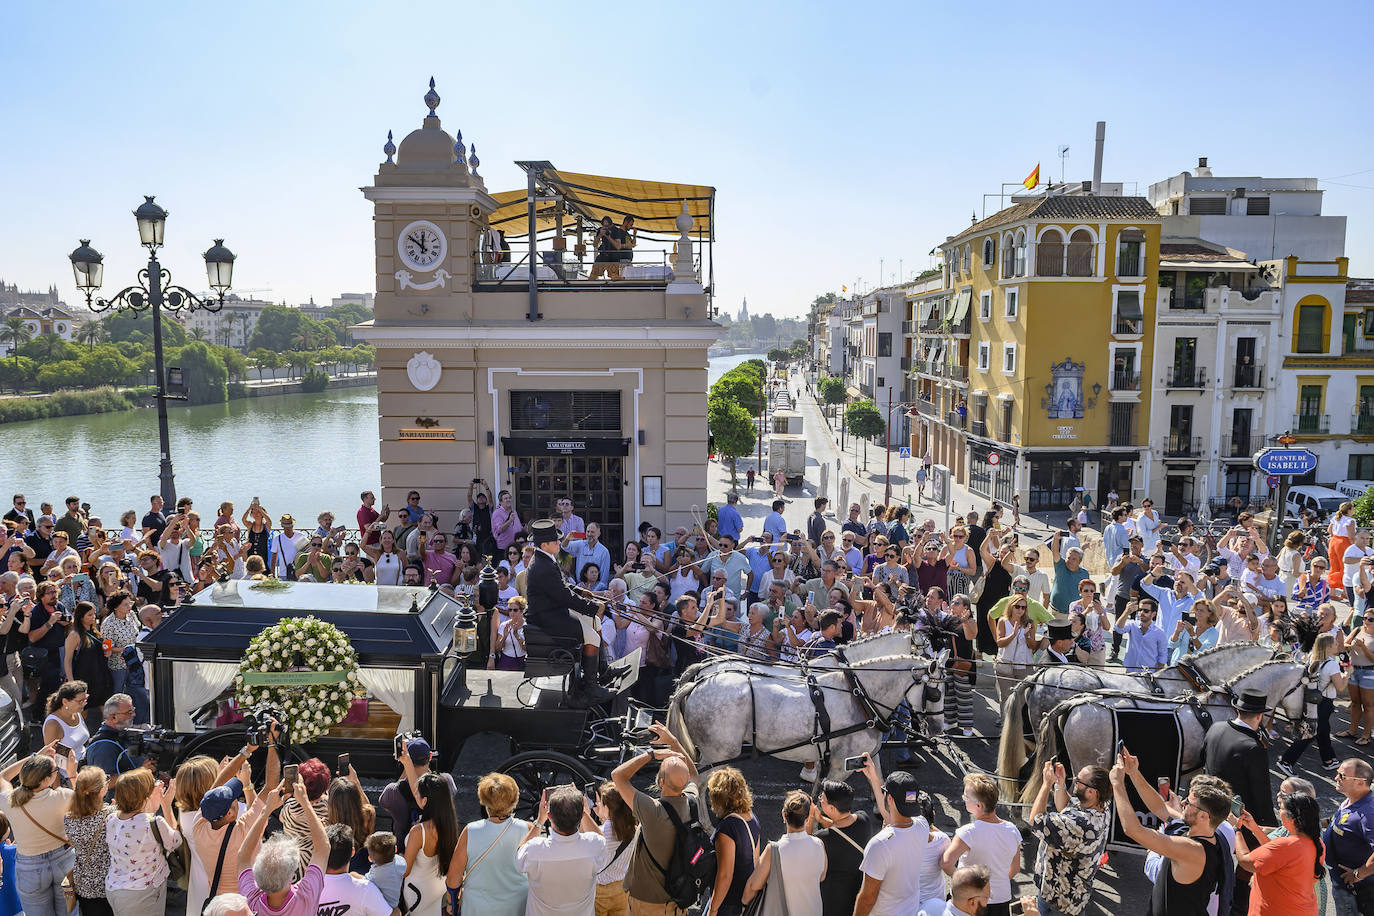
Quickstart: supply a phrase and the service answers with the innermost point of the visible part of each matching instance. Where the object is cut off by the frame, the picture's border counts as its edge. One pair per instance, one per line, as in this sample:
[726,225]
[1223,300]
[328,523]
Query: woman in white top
[986,840]
[127,533]
[1325,664]
[66,721]
[684,575]
[388,562]
[229,551]
[618,826]
[137,882]
[1016,645]
[174,546]
[194,778]
[800,856]
[1350,563]
[1147,525]
[1290,561]
[510,638]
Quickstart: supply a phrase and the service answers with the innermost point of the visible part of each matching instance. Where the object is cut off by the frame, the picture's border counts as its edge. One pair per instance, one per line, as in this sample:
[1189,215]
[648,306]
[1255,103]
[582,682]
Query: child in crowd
[9,890]
[387,870]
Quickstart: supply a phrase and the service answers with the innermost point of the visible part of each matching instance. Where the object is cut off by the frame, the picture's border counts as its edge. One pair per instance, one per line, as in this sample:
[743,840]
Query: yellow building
[1029,359]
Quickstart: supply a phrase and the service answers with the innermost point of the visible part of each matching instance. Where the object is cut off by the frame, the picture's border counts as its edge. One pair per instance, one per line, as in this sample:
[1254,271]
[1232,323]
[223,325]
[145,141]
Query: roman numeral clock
[423,248]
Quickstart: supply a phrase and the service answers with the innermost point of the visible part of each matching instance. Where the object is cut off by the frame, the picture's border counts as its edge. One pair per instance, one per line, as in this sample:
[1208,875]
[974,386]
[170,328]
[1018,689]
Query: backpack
[691,869]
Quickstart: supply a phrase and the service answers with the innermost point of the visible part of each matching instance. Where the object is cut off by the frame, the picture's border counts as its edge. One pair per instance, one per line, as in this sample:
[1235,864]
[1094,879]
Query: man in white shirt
[562,866]
[1185,555]
[1356,552]
[345,893]
[1244,545]
[969,889]
[1114,535]
[891,885]
[283,547]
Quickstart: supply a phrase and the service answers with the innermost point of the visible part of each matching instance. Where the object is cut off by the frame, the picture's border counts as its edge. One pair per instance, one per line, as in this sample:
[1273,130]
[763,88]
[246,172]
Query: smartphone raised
[397,745]
[1237,806]
[61,750]
[342,768]
[81,579]
[1120,746]
[288,777]
[1164,785]
[854,763]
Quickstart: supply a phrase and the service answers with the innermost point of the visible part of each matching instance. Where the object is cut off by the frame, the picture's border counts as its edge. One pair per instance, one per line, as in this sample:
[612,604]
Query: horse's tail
[677,723]
[1011,749]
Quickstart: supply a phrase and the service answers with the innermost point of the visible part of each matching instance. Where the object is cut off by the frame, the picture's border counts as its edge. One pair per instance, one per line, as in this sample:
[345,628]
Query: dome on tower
[430,147]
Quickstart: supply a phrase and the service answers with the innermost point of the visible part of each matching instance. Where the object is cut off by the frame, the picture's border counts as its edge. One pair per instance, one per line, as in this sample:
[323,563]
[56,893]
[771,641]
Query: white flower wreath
[302,644]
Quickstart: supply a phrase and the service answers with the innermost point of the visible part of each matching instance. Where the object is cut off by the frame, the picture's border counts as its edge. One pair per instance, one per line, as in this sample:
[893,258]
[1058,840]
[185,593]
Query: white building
[43,313]
[231,326]
[363,299]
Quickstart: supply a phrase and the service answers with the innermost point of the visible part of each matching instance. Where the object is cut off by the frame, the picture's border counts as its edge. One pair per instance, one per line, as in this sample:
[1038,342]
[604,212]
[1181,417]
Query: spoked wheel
[226,741]
[535,771]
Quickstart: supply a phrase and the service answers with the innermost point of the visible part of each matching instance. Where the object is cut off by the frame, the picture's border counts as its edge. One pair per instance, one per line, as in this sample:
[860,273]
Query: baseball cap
[905,793]
[418,749]
[219,800]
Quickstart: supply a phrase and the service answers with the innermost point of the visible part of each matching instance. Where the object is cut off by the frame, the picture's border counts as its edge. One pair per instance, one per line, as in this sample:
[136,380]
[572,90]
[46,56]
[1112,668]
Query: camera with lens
[258,722]
[151,742]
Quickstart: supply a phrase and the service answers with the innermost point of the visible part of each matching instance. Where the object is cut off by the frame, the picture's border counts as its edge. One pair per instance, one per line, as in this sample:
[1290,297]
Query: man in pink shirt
[505,524]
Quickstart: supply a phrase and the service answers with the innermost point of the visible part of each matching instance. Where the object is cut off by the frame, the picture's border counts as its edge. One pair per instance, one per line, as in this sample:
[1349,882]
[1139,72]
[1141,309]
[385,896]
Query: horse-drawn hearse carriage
[420,660]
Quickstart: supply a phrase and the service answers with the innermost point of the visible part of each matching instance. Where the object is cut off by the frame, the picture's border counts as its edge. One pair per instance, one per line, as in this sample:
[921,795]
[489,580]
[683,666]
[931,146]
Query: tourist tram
[421,659]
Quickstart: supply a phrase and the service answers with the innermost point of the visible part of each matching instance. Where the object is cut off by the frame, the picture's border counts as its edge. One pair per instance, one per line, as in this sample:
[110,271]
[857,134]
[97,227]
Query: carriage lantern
[465,627]
[488,591]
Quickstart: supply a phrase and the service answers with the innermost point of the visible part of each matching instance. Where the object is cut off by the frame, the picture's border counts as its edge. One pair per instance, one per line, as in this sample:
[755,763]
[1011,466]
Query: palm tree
[305,340]
[91,333]
[16,331]
[196,334]
[50,341]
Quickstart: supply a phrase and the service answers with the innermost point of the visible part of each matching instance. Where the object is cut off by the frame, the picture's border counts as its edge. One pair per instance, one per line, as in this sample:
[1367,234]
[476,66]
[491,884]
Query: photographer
[154,582]
[398,798]
[107,748]
[47,630]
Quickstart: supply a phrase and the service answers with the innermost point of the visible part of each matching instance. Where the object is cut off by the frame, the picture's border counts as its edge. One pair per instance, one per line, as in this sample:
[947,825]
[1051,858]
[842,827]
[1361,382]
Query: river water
[299,453]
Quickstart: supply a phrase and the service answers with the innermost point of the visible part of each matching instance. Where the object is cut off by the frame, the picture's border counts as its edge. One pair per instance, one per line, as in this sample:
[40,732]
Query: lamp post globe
[152,220]
[88,266]
[219,267]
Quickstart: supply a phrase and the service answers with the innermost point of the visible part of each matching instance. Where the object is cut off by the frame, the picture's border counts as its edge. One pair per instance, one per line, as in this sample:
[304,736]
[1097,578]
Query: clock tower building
[550,386]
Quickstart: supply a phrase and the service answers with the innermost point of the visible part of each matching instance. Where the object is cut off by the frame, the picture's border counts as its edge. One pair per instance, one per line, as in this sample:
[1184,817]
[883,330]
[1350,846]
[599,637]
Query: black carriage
[422,661]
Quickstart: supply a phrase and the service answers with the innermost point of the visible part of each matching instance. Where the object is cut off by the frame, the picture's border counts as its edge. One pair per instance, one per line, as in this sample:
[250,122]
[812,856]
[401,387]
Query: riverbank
[108,399]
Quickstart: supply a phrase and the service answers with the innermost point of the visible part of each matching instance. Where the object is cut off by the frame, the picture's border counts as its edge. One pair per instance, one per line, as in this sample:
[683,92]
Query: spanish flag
[844,289]
[1033,178]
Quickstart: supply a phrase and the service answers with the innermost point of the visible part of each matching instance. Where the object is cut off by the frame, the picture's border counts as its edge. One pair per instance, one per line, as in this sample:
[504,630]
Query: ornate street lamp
[154,290]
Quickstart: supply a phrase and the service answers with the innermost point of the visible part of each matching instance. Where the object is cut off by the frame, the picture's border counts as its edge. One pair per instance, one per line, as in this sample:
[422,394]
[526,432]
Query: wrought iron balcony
[1242,445]
[978,427]
[1311,424]
[1185,377]
[927,408]
[1125,380]
[957,373]
[954,419]
[1362,422]
[1177,446]
[1248,376]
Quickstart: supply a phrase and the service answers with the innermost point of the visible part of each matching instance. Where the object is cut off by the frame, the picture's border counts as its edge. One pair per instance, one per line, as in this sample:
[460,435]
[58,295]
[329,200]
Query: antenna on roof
[1063,155]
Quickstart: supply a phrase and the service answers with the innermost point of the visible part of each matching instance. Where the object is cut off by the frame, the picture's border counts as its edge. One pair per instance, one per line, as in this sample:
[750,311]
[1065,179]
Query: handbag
[178,869]
[975,591]
[68,880]
[458,891]
[771,901]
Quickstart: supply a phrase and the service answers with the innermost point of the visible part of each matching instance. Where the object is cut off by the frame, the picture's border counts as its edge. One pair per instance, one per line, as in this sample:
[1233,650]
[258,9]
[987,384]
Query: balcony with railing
[956,373]
[866,389]
[1362,422]
[964,326]
[909,327]
[1248,376]
[978,427]
[906,363]
[954,419]
[1125,380]
[1180,446]
[1311,424]
[1240,446]
[1185,377]
[927,408]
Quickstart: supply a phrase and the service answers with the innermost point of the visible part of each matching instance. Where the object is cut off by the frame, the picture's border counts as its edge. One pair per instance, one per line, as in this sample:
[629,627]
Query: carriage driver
[554,609]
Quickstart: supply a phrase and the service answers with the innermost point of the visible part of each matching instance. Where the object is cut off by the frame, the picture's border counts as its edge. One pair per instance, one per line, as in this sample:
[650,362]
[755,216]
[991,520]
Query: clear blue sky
[835,134]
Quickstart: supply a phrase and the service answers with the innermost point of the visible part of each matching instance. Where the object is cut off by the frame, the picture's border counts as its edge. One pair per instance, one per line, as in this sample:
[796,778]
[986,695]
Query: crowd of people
[79,596]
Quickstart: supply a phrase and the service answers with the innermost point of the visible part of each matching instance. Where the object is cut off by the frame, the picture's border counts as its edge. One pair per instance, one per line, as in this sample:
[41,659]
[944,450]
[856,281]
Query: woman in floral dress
[85,823]
[137,881]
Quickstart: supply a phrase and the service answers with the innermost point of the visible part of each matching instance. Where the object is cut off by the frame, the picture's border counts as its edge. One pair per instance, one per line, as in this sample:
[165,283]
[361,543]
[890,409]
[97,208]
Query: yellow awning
[655,205]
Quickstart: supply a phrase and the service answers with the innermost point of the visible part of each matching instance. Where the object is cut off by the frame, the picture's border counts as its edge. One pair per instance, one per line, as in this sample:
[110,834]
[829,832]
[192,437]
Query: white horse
[1046,688]
[1082,731]
[718,713]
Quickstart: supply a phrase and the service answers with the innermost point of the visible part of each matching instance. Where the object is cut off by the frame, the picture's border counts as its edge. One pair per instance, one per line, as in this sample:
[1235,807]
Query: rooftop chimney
[1202,170]
[1097,157]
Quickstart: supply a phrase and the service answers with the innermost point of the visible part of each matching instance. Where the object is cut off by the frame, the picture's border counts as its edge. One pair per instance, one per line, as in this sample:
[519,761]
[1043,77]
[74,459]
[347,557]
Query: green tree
[16,333]
[865,421]
[64,373]
[90,333]
[235,363]
[276,328]
[207,381]
[138,327]
[105,365]
[264,359]
[832,391]
[733,430]
[197,334]
[765,327]
[314,380]
[299,361]
[1364,508]
[17,372]
[49,348]
[362,355]
[742,388]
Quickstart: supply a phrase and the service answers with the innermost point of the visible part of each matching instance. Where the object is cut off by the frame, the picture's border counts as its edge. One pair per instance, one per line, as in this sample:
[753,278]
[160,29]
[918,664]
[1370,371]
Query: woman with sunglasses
[1312,589]
[961,562]
[891,570]
[999,565]
[1096,623]
[1147,525]
[1195,631]
[1016,647]
[1360,647]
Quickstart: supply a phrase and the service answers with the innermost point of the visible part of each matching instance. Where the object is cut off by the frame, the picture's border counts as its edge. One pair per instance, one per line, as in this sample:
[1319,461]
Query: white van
[1354,489]
[1322,501]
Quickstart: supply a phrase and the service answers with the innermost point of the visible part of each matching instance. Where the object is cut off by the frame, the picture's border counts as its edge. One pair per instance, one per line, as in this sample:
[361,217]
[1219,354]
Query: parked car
[1321,501]
[1354,489]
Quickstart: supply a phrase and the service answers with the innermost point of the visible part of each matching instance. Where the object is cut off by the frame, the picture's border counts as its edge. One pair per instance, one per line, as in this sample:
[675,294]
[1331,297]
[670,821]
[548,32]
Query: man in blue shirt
[411,512]
[775,524]
[1349,840]
[591,552]
[1173,602]
[728,519]
[1147,647]
[736,565]
[760,559]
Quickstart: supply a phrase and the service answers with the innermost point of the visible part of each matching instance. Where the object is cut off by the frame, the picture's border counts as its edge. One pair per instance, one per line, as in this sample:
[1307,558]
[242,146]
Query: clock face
[422,246]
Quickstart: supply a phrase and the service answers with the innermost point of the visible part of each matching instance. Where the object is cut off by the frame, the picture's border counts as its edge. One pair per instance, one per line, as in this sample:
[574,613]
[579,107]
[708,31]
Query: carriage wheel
[535,771]
[226,741]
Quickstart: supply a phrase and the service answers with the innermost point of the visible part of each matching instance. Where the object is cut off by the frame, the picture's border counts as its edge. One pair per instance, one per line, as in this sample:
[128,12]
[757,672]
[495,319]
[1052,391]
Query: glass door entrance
[595,484]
